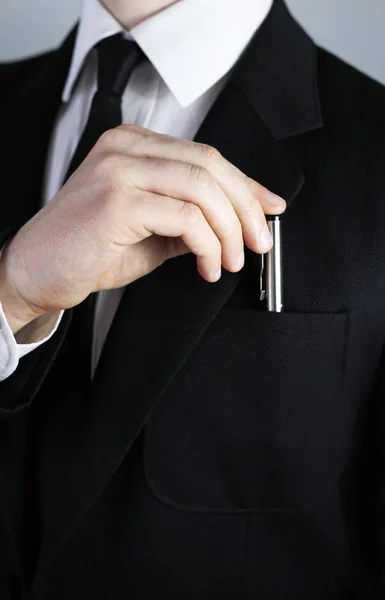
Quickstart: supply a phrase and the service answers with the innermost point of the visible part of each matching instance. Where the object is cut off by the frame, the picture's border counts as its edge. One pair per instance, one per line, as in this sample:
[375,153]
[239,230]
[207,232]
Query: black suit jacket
[226,452]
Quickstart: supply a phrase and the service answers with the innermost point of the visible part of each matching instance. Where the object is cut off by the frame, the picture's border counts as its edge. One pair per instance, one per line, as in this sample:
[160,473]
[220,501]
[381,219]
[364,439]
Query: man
[216,449]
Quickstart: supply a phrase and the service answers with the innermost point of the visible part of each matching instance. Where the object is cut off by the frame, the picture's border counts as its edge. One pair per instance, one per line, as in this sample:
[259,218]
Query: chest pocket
[252,422]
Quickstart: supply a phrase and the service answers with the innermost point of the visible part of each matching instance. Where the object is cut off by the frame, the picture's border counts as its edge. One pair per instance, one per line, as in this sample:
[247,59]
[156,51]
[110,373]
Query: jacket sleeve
[18,390]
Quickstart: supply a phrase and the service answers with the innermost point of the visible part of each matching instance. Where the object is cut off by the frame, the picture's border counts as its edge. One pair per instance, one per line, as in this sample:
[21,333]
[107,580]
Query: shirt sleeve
[13,348]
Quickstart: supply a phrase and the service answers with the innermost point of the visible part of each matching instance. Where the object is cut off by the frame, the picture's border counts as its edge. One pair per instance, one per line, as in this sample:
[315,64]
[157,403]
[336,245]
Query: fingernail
[240,261]
[218,274]
[266,241]
[274,200]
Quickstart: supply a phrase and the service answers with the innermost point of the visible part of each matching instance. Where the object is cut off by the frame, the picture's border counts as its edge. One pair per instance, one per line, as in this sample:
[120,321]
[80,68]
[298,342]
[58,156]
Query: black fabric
[224,452]
[117,59]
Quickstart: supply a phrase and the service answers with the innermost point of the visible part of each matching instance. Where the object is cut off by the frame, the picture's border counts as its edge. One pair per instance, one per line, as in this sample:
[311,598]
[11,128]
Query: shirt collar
[203,38]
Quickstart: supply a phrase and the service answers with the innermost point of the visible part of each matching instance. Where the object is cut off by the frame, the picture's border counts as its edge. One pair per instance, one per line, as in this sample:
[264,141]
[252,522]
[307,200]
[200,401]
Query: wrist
[15,308]
[17,318]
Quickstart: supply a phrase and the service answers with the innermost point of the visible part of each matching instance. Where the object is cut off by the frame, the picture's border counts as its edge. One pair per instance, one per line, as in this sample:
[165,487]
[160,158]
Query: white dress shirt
[192,46]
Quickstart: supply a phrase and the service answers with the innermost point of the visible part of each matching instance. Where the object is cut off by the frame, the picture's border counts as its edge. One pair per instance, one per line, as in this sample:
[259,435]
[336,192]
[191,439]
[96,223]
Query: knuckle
[108,166]
[135,132]
[256,188]
[201,175]
[254,206]
[191,213]
[209,152]
[132,128]
[109,138]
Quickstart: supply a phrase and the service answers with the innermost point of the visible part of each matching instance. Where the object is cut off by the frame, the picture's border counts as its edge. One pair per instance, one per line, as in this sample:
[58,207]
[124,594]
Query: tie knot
[117,58]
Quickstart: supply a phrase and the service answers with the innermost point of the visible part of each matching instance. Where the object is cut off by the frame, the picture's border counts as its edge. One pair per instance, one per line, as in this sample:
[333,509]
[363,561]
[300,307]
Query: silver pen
[271,268]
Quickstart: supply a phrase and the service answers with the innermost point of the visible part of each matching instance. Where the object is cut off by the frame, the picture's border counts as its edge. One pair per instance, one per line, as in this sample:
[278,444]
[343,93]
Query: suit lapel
[164,315]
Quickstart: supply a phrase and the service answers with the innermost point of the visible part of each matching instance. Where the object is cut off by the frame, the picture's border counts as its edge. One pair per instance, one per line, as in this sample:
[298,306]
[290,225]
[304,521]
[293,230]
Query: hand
[137,200]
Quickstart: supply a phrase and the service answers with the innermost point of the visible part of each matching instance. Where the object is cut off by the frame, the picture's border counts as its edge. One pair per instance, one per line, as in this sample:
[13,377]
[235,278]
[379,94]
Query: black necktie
[117,59]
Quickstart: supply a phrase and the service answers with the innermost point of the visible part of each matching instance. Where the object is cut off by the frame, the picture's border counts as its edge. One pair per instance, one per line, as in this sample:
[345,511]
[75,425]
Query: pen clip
[262,290]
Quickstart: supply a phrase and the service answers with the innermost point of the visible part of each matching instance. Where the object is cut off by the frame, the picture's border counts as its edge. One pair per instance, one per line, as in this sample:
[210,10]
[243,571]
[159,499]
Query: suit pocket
[252,421]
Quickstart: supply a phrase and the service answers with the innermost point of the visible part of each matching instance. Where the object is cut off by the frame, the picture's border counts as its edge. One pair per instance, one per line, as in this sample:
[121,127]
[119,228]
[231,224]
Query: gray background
[352,29]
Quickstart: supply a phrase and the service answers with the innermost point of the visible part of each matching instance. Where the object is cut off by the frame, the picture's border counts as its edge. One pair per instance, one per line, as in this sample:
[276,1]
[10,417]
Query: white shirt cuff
[11,350]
